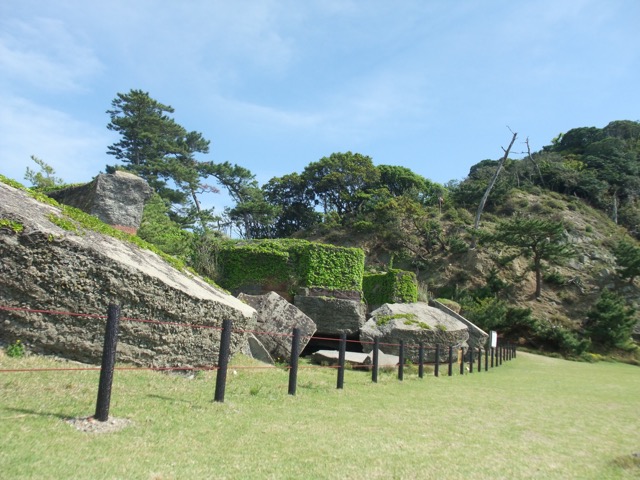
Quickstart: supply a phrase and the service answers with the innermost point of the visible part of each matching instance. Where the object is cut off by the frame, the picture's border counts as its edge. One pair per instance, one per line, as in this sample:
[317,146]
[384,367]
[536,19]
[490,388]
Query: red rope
[53,312]
[191,325]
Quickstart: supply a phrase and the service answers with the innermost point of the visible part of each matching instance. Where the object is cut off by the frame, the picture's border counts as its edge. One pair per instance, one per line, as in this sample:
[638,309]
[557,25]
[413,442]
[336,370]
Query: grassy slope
[534,417]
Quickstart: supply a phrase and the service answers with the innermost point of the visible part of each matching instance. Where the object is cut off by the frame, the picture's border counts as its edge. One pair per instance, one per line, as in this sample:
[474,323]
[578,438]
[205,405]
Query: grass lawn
[534,417]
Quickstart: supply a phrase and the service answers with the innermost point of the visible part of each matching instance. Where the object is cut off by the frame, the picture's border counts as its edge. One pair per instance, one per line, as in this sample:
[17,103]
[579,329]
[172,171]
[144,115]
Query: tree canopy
[161,151]
[535,238]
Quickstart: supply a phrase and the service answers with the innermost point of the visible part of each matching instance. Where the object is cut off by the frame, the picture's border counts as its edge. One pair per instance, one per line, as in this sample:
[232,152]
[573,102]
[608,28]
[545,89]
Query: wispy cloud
[72,147]
[44,54]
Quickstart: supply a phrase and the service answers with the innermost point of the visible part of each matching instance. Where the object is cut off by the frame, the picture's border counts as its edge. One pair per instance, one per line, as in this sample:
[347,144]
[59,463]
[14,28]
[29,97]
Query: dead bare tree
[535,164]
[483,201]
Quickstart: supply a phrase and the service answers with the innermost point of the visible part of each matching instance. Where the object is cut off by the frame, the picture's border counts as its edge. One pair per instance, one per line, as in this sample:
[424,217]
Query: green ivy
[394,286]
[296,263]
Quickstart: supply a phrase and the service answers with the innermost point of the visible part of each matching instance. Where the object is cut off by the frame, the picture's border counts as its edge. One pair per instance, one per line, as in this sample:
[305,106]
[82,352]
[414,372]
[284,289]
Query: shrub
[610,322]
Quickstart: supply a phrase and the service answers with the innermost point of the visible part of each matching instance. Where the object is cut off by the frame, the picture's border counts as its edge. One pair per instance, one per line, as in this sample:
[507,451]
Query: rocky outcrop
[413,323]
[342,312]
[116,199]
[44,267]
[276,319]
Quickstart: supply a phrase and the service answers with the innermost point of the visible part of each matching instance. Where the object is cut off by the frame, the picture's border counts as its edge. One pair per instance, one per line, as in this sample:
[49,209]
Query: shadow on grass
[628,462]
[24,412]
[171,399]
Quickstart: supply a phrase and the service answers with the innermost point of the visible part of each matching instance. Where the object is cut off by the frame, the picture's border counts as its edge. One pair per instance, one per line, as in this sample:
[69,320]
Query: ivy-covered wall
[296,263]
[394,286]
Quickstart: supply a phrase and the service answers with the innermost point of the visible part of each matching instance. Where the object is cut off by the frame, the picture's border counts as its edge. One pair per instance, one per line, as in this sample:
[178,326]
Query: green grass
[533,417]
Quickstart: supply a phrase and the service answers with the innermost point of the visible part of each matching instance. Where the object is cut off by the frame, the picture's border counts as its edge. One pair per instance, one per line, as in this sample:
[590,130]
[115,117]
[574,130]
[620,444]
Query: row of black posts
[495,355]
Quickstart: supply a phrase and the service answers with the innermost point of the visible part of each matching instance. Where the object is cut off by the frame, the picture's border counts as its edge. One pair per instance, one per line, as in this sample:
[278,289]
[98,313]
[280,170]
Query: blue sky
[431,85]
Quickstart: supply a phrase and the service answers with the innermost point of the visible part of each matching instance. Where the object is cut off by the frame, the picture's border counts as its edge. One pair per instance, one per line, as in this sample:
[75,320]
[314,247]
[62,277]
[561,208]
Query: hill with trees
[543,248]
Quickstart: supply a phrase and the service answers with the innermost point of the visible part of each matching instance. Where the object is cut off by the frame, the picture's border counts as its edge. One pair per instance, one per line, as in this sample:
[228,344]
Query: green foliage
[44,179]
[513,322]
[158,229]
[560,338]
[536,238]
[16,349]
[11,182]
[450,304]
[610,322]
[320,265]
[63,222]
[297,263]
[16,227]
[628,260]
[394,286]
[555,278]
[488,313]
[295,201]
[156,148]
[408,318]
[422,325]
[338,180]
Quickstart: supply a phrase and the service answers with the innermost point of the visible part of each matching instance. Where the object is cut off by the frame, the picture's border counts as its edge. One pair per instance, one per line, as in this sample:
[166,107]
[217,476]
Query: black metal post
[401,361]
[450,361]
[223,360]
[376,360]
[436,371]
[479,359]
[471,359]
[341,355]
[108,363]
[491,357]
[421,360]
[293,364]
[486,359]
[500,354]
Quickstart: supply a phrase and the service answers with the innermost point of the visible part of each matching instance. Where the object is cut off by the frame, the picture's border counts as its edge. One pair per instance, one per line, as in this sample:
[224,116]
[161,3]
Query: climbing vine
[298,263]
[394,286]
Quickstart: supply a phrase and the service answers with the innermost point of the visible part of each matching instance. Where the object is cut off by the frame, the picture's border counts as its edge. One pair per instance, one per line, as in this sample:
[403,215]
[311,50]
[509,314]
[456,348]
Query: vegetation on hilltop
[559,230]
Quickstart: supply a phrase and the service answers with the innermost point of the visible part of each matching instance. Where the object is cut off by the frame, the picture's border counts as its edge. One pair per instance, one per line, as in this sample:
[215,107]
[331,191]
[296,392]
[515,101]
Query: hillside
[553,264]
[468,276]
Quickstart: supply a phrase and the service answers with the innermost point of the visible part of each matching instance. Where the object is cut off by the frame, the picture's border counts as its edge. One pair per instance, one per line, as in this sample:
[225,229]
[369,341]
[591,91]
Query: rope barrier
[52,312]
[189,325]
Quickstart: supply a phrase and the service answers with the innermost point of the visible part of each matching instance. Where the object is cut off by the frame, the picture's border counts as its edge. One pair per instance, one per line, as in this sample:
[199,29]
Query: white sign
[493,335]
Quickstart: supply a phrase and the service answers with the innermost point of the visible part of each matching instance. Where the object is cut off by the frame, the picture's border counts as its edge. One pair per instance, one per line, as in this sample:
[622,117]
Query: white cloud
[74,149]
[44,54]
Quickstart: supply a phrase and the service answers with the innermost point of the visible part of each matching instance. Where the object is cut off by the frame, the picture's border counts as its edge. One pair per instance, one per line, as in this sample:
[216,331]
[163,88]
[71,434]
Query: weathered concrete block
[413,323]
[358,360]
[45,267]
[116,199]
[333,315]
[275,321]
